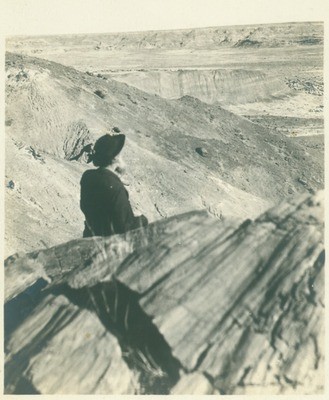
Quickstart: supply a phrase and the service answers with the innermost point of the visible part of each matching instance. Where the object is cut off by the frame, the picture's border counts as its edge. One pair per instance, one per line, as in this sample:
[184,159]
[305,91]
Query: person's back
[104,199]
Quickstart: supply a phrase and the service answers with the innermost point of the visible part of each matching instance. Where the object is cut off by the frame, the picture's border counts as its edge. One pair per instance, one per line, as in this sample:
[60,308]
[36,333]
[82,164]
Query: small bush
[100,94]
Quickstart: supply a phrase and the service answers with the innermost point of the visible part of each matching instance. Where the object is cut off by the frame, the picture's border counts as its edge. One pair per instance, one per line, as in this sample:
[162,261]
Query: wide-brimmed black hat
[106,148]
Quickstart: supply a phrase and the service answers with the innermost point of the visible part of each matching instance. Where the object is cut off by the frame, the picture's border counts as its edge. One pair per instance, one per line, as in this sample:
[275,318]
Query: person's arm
[123,216]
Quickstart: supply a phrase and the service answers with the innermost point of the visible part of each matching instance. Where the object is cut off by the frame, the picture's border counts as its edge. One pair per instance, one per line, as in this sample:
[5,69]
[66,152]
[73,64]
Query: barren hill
[52,111]
[260,70]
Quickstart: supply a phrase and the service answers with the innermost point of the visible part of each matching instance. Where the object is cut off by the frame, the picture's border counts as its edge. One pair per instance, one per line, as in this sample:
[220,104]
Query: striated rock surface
[188,305]
[194,383]
[52,345]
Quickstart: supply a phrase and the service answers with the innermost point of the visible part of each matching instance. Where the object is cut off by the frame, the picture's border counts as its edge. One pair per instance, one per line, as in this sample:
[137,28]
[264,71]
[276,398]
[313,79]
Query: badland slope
[52,111]
[259,70]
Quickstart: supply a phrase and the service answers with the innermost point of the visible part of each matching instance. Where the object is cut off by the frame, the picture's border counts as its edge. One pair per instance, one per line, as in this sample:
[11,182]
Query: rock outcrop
[189,304]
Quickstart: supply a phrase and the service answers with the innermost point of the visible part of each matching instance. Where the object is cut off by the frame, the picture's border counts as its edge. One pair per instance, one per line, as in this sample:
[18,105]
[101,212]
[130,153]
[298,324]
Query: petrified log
[52,344]
[239,309]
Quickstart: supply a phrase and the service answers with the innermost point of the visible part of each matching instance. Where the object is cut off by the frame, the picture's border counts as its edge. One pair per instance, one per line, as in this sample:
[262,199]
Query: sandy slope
[55,110]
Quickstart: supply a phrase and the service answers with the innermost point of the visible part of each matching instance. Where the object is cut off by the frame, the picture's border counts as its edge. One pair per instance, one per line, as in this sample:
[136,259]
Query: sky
[32,17]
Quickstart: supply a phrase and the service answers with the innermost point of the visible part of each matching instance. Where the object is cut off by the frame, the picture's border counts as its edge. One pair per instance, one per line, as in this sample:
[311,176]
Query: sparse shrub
[100,94]
[133,101]
[11,185]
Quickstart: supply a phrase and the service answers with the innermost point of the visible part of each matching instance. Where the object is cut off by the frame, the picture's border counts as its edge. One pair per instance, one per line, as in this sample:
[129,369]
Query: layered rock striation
[233,308]
[226,86]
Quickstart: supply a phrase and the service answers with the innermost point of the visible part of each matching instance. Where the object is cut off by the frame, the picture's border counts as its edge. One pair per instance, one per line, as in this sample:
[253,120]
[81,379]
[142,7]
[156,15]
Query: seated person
[104,199]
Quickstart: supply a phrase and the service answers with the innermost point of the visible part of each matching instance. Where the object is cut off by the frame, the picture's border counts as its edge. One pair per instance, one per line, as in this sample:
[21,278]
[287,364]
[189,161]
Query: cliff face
[223,86]
[232,308]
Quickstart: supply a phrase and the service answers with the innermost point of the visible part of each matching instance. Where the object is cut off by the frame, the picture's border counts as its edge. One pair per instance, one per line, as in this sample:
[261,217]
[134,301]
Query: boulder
[202,151]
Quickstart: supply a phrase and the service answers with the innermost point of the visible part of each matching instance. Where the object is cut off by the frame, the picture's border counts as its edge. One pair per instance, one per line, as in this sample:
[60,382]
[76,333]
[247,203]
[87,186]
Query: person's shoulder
[88,173]
[108,173]
[103,176]
[92,176]
[110,178]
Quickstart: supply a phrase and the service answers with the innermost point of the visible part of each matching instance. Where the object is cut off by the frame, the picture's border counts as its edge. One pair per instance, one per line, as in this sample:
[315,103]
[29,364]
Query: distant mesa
[268,35]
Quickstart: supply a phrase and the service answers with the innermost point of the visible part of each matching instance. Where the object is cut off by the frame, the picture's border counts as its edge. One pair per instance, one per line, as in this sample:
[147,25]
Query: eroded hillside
[255,71]
[52,111]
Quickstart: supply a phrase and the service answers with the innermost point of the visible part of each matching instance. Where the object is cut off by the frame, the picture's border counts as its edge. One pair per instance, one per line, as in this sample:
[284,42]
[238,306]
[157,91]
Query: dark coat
[105,204]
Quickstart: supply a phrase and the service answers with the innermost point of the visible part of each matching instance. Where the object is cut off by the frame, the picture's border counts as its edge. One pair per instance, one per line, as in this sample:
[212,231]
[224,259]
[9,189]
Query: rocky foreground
[189,305]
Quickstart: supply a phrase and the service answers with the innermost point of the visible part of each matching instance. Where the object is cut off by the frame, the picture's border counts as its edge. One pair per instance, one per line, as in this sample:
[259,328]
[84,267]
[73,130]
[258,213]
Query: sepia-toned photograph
[164,202]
